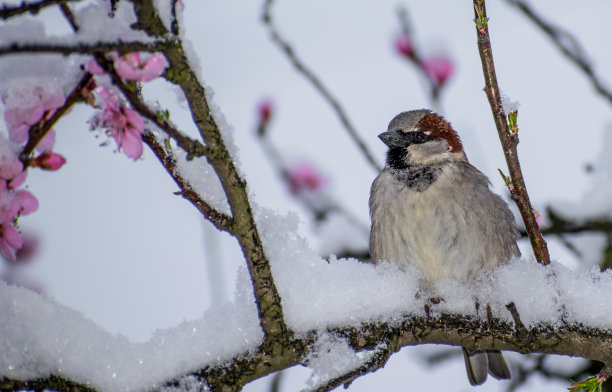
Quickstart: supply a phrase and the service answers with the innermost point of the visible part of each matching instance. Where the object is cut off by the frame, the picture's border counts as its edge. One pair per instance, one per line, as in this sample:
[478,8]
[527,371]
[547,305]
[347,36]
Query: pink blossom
[125,125]
[404,47]
[46,143]
[129,67]
[10,165]
[10,241]
[49,161]
[94,68]
[304,176]
[438,69]
[539,218]
[265,109]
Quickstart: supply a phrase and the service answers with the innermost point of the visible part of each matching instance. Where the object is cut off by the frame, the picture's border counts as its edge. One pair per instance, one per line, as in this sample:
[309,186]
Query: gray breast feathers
[456,227]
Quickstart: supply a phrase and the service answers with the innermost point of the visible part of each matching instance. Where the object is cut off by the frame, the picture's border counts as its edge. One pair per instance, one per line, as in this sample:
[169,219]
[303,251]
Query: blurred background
[111,240]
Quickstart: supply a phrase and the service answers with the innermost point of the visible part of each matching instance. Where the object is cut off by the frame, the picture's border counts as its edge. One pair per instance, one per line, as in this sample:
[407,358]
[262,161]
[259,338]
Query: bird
[431,207]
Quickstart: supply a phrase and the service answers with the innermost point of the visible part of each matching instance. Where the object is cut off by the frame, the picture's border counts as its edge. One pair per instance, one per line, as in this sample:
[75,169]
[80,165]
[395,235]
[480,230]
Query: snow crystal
[40,337]
[509,105]
[318,293]
[332,356]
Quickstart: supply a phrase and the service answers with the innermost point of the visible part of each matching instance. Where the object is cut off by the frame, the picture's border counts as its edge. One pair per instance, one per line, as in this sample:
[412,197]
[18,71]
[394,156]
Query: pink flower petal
[47,142]
[438,69]
[131,144]
[18,133]
[7,251]
[49,161]
[29,203]
[305,177]
[18,180]
[127,71]
[94,68]
[10,204]
[10,241]
[404,47]
[23,115]
[265,110]
[134,120]
[10,166]
[154,67]
[11,236]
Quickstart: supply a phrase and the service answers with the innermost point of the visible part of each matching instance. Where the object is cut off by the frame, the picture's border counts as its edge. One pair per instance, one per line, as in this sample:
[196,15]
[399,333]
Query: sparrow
[430,207]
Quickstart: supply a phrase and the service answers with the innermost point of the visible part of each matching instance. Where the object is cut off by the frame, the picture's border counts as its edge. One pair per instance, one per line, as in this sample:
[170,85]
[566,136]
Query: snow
[203,179]
[332,356]
[40,337]
[508,104]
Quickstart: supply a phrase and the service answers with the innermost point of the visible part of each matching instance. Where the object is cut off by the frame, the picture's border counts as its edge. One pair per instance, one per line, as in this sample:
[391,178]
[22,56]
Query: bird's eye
[420,136]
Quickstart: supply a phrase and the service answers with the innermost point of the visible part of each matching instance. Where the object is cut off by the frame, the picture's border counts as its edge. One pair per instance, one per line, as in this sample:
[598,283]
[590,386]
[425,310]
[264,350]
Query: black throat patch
[415,177]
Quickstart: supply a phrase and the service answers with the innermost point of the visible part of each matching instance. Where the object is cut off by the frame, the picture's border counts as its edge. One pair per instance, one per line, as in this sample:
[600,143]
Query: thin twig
[377,361]
[69,16]
[220,220]
[37,132]
[508,139]
[81,48]
[317,83]
[567,44]
[7,12]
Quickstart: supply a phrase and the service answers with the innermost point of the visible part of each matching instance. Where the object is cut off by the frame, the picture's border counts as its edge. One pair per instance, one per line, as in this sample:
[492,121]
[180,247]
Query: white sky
[116,244]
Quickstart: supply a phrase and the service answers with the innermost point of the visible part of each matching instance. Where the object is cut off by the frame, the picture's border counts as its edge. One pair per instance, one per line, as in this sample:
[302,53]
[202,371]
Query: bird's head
[421,137]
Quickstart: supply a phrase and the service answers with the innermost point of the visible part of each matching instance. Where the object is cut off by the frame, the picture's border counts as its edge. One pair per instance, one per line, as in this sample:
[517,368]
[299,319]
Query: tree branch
[7,12]
[244,228]
[100,47]
[448,328]
[567,44]
[509,140]
[220,220]
[37,132]
[317,84]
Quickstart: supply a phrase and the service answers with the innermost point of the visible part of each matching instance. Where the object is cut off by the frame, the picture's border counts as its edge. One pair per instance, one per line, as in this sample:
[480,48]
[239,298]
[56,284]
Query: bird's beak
[393,139]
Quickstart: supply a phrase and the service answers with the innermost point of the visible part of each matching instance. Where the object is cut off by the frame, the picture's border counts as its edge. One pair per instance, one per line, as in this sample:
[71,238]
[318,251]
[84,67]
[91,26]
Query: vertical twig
[509,140]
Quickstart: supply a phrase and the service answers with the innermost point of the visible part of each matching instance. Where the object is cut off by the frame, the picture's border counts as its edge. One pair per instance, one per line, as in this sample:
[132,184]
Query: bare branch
[509,140]
[220,220]
[244,227]
[99,47]
[378,360]
[318,85]
[7,12]
[567,44]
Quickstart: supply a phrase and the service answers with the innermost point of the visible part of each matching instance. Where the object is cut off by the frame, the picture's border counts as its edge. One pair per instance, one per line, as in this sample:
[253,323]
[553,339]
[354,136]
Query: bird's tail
[480,363]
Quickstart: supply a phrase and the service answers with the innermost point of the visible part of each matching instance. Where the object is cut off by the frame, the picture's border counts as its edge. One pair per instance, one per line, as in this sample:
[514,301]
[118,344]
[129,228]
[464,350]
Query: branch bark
[509,140]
